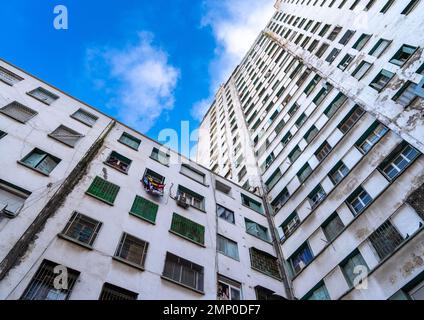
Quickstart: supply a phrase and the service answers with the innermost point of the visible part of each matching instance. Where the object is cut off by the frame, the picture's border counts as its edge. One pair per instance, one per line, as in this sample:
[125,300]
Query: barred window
[43,95]
[66,135]
[18,111]
[9,77]
[264,263]
[385,239]
[132,250]
[115,293]
[82,228]
[85,117]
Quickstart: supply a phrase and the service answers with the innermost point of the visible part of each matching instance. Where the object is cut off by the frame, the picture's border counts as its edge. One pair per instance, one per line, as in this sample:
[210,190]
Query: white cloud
[145,80]
[235,25]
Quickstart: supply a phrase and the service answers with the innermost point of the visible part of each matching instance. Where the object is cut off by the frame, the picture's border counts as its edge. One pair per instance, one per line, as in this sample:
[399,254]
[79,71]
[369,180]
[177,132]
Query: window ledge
[267,241]
[58,140]
[187,238]
[117,169]
[135,149]
[5,82]
[185,175]
[34,169]
[128,263]
[267,274]
[79,120]
[36,98]
[261,213]
[142,218]
[74,241]
[98,198]
[182,285]
[164,164]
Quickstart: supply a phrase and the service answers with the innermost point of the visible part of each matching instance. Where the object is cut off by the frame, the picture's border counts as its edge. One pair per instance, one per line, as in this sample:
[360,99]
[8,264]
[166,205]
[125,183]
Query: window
[256,230]
[12,199]
[349,121]
[252,204]
[350,267]
[227,247]
[290,225]
[304,172]
[359,200]
[184,272]
[323,151]
[66,136]
[119,162]
[43,95]
[338,172]
[132,250]
[371,137]
[188,229]
[193,173]
[280,200]
[294,154]
[407,95]
[225,214]
[362,41]
[411,5]
[385,239]
[114,293]
[322,49]
[379,47]
[266,294]
[345,62]
[332,227]
[311,86]
[82,229]
[130,141]
[273,179]
[144,209]
[381,80]
[387,6]
[40,161]
[301,258]
[2,134]
[42,285]
[316,196]
[103,190]
[191,198]
[338,101]
[398,160]
[404,53]
[318,293]
[311,134]
[85,117]
[346,37]
[19,112]
[9,77]
[160,156]
[333,55]
[222,187]
[333,35]
[264,262]
[326,88]
[228,289]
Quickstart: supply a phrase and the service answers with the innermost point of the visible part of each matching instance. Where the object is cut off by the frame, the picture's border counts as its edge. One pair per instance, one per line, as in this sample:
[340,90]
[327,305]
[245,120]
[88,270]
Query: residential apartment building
[92,209]
[330,97]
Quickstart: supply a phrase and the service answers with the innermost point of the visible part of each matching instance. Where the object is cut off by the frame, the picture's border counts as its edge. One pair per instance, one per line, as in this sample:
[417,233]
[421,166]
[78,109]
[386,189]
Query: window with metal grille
[103,190]
[379,48]
[228,289]
[188,229]
[332,227]
[359,200]
[323,151]
[130,141]
[43,95]
[335,105]
[144,209]
[82,229]
[403,54]
[350,267]
[184,272]
[12,199]
[398,160]
[40,161]
[301,258]
[18,111]
[385,239]
[66,135]
[346,37]
[227,247]
[338,172]
[111,292]
[251,203]
[132,250]
[352,117]
[264,262]
[371,137]
[192,198]
[160,156]
[9,77]
[85,117]
[319,292]
[119,162]
[316,196]
[290,225]
[256,230]
[42,285]
[362,41]
[407,95]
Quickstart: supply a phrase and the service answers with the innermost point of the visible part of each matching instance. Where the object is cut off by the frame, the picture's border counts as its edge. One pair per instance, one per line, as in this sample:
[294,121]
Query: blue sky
[151,64]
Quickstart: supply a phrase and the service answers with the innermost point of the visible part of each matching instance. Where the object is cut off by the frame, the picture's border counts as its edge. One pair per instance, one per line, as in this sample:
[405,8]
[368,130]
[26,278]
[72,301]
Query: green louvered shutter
[144,209]
[103,190]
[188,229]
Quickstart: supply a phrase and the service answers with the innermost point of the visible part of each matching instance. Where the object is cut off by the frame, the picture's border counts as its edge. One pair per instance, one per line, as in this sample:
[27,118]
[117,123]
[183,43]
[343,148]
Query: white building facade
[331,100]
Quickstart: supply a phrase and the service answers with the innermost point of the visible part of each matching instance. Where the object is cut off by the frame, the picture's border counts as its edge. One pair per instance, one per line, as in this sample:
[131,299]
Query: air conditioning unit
[182,201]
